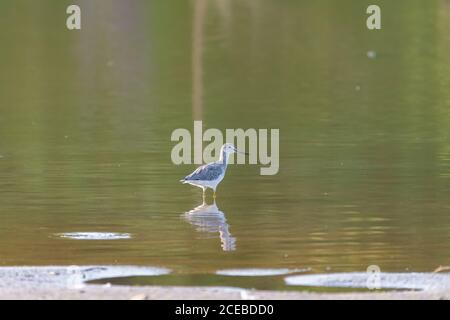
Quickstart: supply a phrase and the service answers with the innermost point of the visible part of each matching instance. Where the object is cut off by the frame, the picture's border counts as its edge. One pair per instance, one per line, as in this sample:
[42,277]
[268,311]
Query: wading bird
[211,174]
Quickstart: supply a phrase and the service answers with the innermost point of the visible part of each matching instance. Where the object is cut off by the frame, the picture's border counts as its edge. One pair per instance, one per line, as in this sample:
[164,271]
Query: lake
[364,117]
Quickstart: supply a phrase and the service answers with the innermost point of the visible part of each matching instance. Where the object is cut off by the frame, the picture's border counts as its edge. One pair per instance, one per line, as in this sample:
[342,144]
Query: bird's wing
[207,172]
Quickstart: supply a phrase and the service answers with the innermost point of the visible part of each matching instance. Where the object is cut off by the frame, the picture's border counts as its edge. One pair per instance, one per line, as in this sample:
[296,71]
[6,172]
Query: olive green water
[86,118]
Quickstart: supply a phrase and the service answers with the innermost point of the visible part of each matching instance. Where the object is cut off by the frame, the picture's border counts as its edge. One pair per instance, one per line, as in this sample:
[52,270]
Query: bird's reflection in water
[208,218]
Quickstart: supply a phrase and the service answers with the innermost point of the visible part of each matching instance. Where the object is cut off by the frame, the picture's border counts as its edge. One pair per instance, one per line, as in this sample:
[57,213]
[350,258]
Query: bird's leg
[204,195]
[214,195]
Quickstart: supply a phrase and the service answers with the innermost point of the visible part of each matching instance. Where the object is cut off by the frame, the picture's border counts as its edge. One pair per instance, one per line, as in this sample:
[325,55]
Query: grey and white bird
[211,174]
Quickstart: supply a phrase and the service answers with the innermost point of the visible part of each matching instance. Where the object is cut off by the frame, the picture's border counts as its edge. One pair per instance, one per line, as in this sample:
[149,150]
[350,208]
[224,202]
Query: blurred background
[364,117]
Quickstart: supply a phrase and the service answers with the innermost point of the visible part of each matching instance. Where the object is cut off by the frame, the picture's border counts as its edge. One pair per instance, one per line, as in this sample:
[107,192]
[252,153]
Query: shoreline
[69,282]
[98,292]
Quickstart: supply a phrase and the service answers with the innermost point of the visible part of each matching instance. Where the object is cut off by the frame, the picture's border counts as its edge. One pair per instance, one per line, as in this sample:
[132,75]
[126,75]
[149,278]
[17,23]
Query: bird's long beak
[241,152]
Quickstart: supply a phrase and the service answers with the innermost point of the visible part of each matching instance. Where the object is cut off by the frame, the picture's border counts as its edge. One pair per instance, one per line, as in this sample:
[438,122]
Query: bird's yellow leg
[214,195]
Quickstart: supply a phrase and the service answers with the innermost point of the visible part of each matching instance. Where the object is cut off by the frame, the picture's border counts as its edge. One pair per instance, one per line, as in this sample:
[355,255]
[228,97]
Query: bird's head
[229,148]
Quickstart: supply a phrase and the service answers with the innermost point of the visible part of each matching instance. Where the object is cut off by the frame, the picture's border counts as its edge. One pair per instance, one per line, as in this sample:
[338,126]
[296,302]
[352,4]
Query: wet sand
[198,293]
[69,283]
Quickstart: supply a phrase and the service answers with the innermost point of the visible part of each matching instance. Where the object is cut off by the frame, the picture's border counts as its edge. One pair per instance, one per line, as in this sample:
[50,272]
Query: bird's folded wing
[207,172]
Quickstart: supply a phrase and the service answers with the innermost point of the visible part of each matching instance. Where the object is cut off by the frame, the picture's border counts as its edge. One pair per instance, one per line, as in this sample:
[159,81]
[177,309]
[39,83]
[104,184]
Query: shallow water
[86,119]
[236,282]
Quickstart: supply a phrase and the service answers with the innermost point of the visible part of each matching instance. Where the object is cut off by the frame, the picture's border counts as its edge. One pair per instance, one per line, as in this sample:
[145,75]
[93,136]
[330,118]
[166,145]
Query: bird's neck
[224,157]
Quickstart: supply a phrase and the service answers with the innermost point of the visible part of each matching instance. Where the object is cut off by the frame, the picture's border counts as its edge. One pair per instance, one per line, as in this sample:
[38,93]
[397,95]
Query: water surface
[86,119]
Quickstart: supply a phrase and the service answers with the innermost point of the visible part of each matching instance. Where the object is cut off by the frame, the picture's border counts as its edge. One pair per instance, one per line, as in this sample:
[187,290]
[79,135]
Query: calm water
[86,119]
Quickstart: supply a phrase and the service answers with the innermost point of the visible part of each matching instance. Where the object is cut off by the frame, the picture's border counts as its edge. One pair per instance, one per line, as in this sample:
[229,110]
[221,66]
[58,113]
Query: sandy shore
[69,283]
[198,293]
